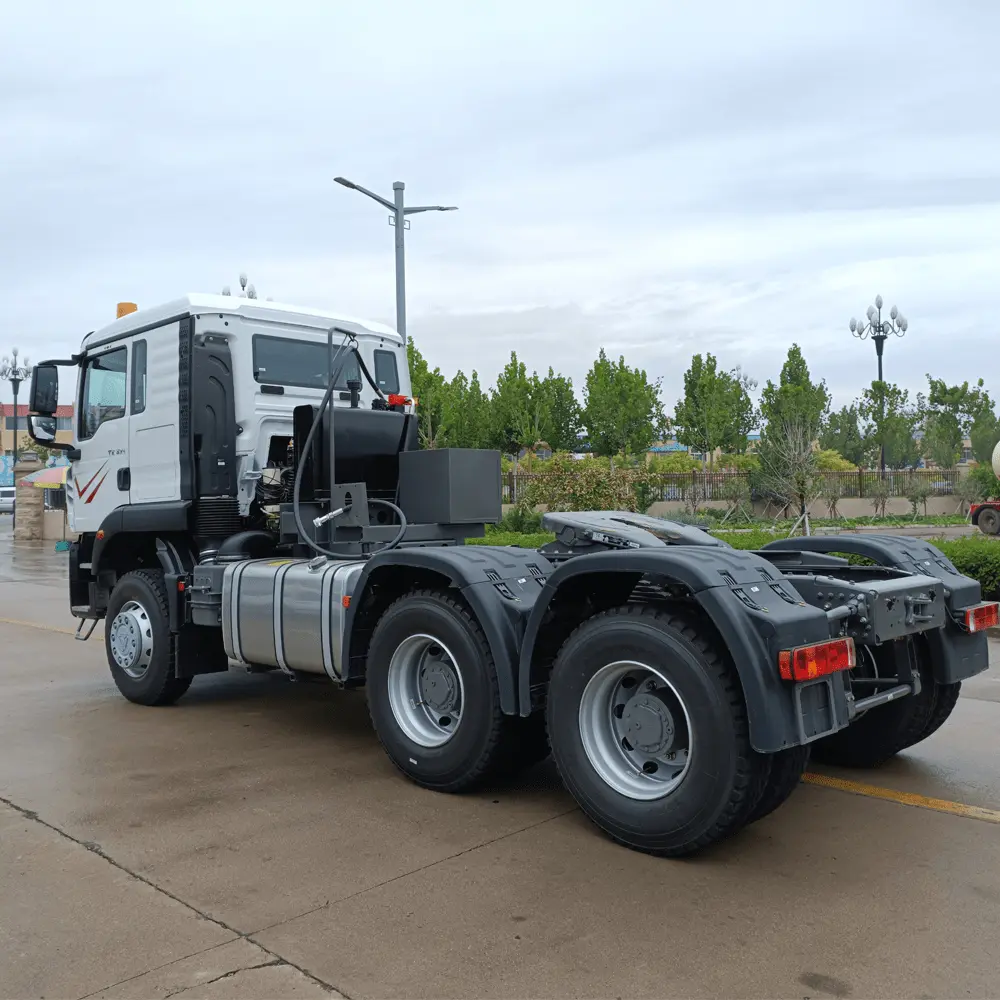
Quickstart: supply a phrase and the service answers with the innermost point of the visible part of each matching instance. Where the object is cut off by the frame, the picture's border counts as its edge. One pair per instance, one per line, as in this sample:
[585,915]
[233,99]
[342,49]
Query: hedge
[976,555]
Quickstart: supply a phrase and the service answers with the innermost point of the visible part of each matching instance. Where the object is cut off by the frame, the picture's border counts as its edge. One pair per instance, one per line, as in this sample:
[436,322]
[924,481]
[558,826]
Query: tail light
[806,663]
[397,399]
[983,616]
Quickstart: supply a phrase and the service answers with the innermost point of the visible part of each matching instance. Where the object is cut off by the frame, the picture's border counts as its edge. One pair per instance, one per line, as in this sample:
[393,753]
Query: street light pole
[11,371]
[398,219]
[879,330]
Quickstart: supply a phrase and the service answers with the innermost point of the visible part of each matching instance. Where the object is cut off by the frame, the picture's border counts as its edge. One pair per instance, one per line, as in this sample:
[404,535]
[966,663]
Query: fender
[170,517]
[755,611]
[956,654]
[499,584]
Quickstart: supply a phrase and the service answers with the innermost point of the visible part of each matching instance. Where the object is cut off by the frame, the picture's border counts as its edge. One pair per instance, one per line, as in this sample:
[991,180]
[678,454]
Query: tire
[988,521]
[687,702]
[138,642]
[456,737]
[787,768]
[945,700]
[883,732]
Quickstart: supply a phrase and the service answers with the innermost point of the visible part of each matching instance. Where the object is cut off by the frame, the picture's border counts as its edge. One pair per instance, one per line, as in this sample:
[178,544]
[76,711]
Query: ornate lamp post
[880,330]
[15,372]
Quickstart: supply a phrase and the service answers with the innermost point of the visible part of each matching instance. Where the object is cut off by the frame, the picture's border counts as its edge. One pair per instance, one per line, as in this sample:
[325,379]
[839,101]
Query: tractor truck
[247,491]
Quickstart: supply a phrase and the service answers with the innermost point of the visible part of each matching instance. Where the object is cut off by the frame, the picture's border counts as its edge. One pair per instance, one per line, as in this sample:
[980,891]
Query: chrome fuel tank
[281,613]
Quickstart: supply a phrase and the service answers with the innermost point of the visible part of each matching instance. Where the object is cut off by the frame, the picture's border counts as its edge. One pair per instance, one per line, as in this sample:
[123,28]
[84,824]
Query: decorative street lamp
[399,220]
[880,330]
[15,372]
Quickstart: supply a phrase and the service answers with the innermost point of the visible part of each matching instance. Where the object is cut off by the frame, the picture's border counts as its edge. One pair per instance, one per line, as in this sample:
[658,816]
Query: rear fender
[715,579]
[500,585]
[955,654]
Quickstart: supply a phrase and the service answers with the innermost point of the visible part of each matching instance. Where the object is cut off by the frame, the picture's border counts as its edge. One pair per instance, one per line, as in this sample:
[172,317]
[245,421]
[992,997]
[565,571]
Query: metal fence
[715,485]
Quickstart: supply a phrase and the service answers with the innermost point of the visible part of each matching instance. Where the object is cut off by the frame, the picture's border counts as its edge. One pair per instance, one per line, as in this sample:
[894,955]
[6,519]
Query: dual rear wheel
[645,720]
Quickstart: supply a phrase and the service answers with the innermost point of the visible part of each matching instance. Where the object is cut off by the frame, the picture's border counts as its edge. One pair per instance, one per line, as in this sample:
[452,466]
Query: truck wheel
[882,732]
[945,700]
[988,521]
[433,694]
[138,641]
[649,732]
[787,768]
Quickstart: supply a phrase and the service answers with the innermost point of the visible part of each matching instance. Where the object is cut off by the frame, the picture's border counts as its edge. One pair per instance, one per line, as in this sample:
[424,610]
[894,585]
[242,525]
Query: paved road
[254,841]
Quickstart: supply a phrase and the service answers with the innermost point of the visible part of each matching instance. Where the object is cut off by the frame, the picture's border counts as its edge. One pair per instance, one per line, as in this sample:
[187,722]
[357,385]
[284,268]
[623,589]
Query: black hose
[402,524]
[301,464]
[367,374]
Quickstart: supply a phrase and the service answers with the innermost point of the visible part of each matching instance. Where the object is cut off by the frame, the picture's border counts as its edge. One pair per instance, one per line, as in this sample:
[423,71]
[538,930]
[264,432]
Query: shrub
[518,539]
[591,488]
[832,494]
[975,556]
[829,460]
[879,495]
[919,492]
[987,483]
[520,520]
[968,490]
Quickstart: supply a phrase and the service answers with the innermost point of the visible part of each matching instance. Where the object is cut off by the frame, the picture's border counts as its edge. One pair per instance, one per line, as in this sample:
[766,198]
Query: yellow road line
[903,798]
[38,625]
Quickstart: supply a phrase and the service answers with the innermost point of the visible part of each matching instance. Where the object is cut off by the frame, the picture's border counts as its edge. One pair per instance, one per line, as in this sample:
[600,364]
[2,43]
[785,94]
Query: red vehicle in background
[986,515]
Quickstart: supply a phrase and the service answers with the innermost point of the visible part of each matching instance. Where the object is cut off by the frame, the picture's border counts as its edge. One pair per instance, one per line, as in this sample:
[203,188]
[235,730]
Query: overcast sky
[655,178]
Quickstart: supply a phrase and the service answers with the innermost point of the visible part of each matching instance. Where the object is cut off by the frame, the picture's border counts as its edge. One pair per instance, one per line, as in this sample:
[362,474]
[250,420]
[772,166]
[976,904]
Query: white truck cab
[136,391]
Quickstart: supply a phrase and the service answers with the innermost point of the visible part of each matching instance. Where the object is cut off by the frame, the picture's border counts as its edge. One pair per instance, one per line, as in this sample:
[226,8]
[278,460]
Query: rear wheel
[433,694]
[787,768]
[138,642]
[883,732]
[989,521]
[649,732]
[945,700]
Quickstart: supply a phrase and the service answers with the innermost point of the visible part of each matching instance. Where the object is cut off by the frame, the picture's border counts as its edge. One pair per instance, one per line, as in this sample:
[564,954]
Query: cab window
[386,374]
[103,397]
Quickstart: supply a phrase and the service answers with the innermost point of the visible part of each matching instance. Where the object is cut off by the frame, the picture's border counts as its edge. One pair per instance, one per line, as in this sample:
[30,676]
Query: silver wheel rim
[636,730]
[131,639]
[425,690]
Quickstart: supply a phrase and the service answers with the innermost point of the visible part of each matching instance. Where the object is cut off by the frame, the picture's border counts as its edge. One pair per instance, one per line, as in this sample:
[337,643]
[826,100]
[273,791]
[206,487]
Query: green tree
[952,413]
[891,423]
[514,414]
[560,414]
[984,435]
[842,433]
[716,411]
[796,401]
[466,413]
[622,408]
[430,392]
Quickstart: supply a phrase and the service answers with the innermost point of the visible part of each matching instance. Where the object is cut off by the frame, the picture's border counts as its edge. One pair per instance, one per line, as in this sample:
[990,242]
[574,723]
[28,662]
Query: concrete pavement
[253,840]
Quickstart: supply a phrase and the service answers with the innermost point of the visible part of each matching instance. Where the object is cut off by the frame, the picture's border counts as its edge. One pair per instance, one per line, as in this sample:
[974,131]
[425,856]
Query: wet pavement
[253,841]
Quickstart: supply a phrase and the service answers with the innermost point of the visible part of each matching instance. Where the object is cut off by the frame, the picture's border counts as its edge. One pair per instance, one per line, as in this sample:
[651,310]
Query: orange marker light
[100,535]
[806,663]
[346,601]
[124,308]
[982,617]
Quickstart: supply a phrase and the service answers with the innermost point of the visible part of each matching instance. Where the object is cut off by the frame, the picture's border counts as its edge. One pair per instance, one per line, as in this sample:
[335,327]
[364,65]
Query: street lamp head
[854,324]
[871,312]
[886,327]
[903,323]
[893,312]
[345,182]
[446,208]
[878,301]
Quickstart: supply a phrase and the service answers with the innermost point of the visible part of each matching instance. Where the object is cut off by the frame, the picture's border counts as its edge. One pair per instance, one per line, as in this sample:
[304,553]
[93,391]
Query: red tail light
[983,616]
[806,663]
[397,399]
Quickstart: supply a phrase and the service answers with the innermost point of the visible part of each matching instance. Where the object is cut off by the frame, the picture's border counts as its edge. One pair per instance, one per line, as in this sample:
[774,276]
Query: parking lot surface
[254,841]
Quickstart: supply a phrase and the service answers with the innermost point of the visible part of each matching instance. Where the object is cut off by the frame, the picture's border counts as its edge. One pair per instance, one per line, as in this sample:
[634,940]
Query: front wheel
[138,642]
[649,732]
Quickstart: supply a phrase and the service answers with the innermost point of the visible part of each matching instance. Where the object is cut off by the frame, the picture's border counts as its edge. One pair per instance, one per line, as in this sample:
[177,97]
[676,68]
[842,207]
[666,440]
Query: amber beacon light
[124,308]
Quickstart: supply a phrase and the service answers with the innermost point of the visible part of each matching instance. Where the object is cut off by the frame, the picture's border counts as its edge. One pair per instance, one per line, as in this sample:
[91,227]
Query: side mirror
[42,429]
[44,397]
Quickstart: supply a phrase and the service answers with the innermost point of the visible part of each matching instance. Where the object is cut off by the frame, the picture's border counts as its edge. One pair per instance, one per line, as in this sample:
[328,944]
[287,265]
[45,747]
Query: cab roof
[227,305]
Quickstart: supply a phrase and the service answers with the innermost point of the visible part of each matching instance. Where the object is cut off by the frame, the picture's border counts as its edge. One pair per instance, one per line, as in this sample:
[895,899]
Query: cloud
[655,179]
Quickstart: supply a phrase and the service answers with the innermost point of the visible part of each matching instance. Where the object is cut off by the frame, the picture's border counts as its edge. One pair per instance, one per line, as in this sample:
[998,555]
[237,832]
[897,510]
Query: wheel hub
[131,639]
[439,686]
[648,724]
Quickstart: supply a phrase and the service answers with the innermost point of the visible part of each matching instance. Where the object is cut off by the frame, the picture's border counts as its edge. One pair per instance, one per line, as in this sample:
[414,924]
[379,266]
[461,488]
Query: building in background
[64,434]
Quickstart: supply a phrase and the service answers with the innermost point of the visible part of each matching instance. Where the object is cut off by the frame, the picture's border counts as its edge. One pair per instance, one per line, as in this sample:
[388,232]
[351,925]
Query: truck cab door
[99,481]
